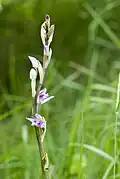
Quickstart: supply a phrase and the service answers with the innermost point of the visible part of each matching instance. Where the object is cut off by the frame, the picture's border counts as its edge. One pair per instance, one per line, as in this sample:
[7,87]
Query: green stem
[38,132]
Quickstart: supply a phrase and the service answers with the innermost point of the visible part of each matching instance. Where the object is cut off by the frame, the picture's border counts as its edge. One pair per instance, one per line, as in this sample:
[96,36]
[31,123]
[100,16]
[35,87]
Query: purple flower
[43,97]
[37,120]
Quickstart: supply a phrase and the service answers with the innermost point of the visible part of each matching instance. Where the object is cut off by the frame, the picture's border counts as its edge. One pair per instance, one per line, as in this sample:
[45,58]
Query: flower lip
[43,96]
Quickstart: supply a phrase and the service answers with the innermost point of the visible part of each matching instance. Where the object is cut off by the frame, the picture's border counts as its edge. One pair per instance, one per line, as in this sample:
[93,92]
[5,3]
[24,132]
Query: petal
[42,97]
[30,119]
[46,96]
[47,99]
[39,100]
[34,61]
[41,124]
[38,116]
[43,91]
[38,121]
[33,124]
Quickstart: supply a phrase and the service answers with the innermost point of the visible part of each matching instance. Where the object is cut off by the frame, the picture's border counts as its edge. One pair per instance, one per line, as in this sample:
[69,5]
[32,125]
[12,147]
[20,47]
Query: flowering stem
[47,32]
[39,132]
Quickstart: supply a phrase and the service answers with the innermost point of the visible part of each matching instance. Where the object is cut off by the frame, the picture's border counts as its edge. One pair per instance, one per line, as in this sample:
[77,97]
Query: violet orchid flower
[37,120]
[43,97]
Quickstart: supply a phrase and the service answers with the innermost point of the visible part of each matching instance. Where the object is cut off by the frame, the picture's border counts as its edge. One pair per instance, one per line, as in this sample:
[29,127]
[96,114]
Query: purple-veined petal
[38,116]
[41,123]
[43,97]
[47,99]
[30,119]
[42,94]
[43,91]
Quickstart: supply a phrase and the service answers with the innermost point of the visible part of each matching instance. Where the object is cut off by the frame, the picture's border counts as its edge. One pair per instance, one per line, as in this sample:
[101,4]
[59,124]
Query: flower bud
[43,33]
[50,34]
[34,61]
[33,74]
[41,73]
[33,86]
[46,60]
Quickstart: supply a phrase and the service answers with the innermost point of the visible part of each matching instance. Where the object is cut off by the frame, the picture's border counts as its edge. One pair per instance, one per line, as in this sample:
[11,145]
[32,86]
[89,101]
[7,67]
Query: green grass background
[81,133]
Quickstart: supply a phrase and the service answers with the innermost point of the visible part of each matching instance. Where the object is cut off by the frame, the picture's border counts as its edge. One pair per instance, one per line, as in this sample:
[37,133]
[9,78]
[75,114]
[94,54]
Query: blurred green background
[82,76]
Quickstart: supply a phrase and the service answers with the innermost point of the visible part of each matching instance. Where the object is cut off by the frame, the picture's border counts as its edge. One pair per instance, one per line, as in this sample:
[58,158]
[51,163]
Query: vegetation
[82,137]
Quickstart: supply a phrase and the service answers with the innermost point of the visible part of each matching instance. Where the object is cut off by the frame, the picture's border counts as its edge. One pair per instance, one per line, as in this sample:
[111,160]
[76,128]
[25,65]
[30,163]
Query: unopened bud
[34,61]
[43,33]
[47,59]
[50,34]
[41,73]
[33,86]
[33,74]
